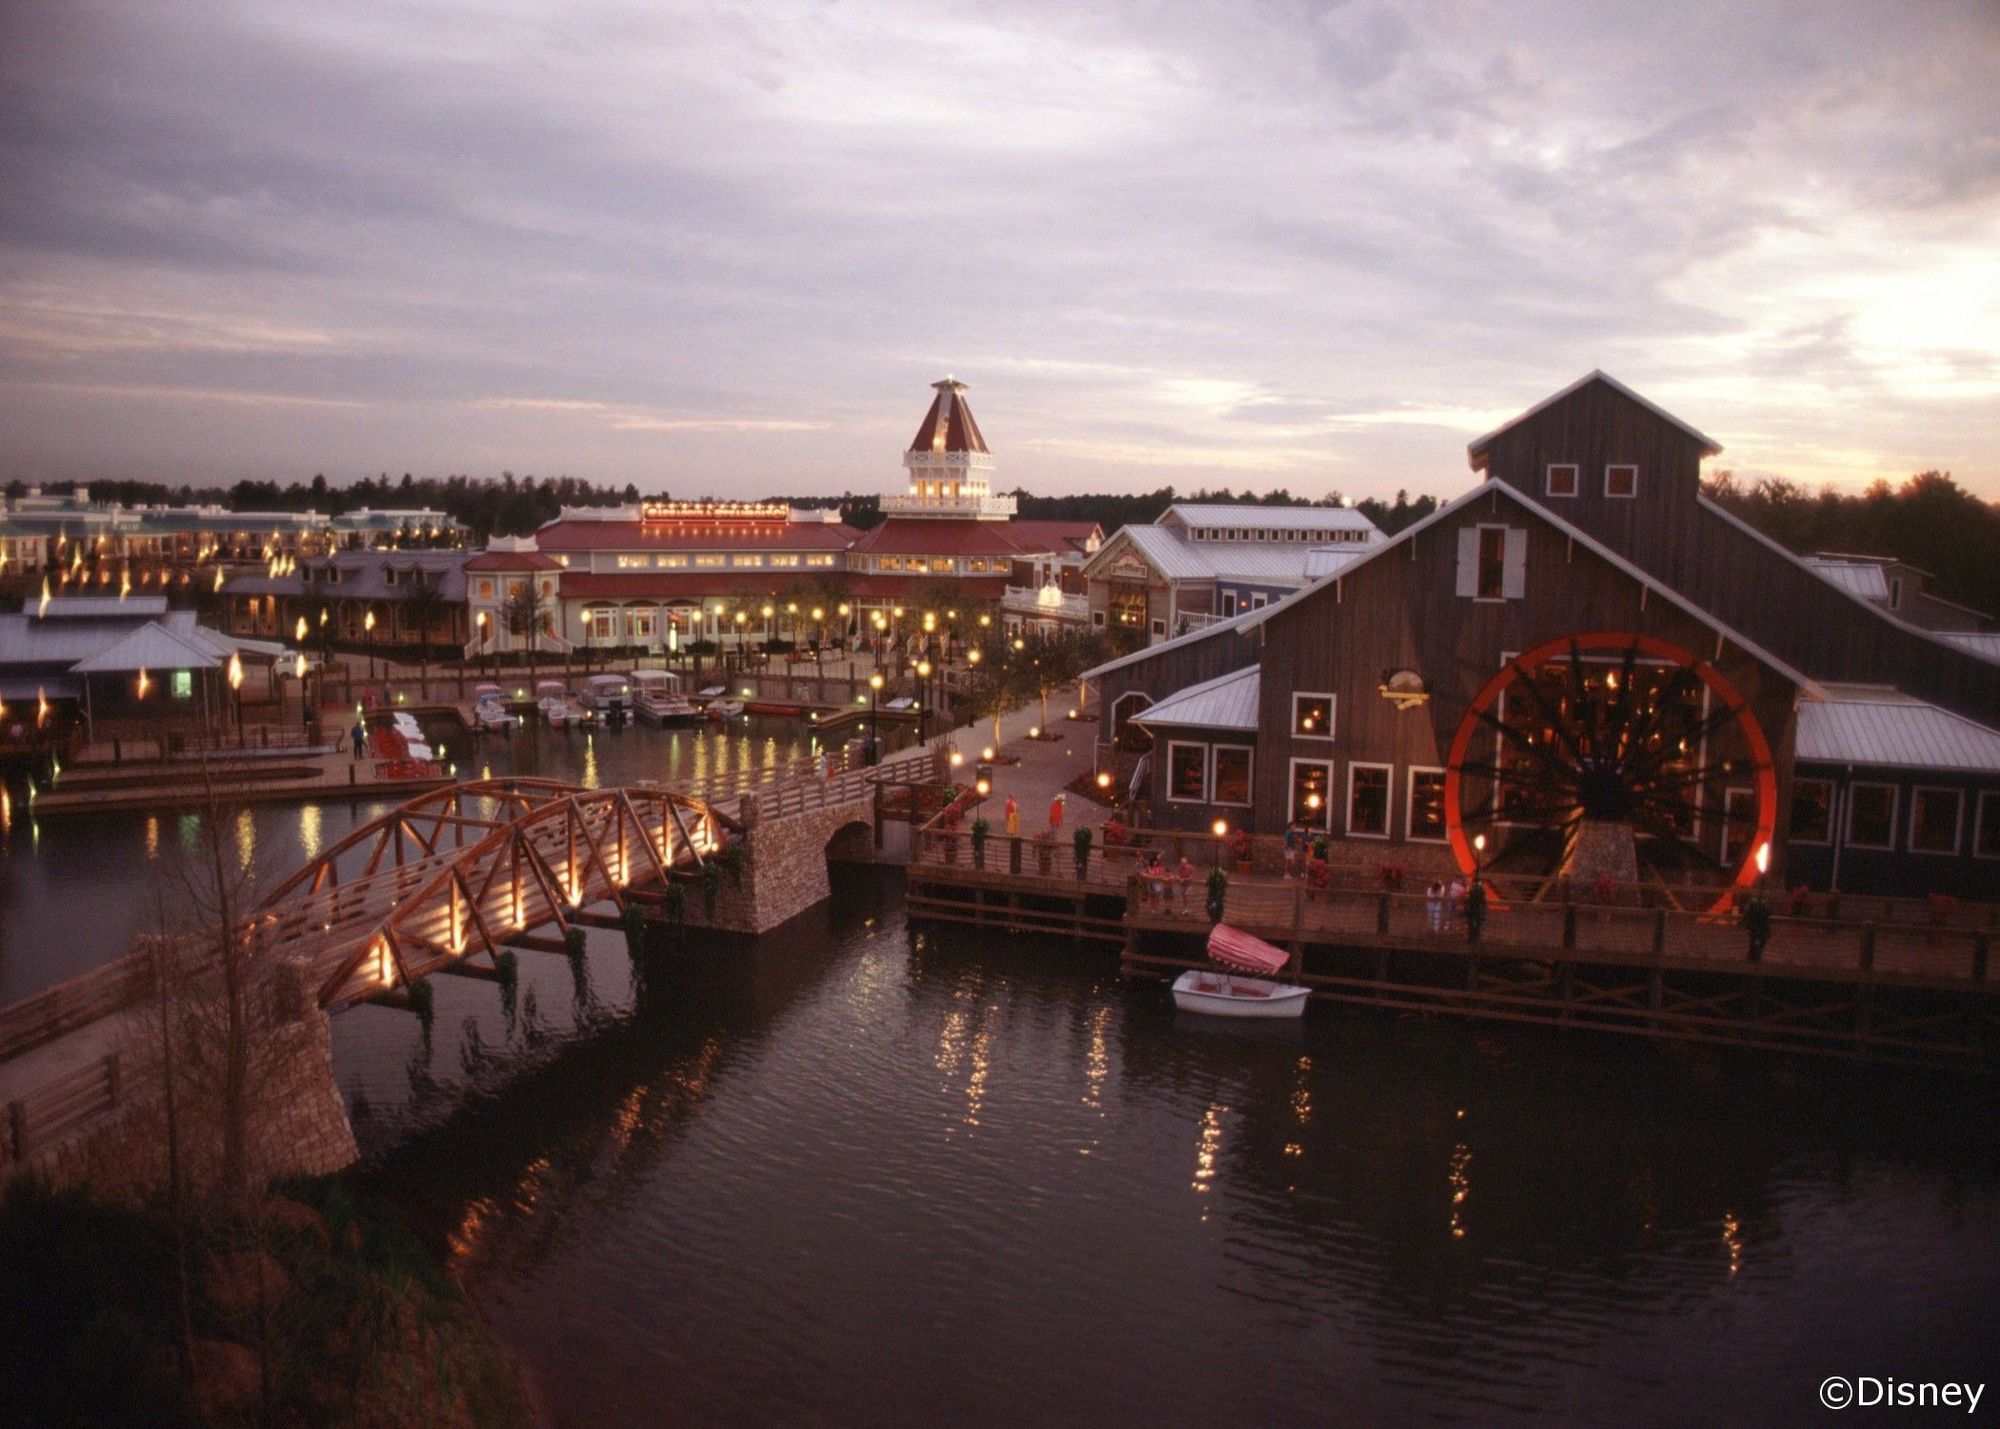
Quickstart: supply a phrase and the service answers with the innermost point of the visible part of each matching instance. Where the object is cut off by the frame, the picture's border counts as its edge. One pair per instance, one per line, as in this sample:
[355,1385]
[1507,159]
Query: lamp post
[874,717]
[923,700]
[368,629]
[1478,850]
[236,692]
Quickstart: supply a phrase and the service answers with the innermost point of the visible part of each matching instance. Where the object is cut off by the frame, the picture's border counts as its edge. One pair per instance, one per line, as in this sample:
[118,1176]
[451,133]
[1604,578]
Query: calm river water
[74,890]
[854,1174]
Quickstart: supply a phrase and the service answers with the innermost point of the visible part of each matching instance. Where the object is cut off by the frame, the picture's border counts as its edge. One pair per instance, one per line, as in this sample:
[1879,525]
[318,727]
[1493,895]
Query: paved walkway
[1046,765]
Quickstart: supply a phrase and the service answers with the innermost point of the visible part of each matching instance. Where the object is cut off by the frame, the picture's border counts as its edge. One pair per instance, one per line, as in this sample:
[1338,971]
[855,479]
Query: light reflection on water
[862,1146]
[54,870]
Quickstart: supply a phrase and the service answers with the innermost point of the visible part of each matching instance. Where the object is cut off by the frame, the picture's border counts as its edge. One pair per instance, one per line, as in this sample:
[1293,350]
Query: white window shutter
[1514,572]
[1468,561]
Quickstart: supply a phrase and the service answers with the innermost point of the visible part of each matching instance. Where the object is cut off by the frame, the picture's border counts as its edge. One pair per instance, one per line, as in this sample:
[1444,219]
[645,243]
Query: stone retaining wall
[784,866]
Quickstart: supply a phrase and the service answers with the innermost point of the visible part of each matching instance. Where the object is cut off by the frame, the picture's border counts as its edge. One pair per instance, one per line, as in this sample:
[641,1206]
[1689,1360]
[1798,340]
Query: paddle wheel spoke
[1609,754]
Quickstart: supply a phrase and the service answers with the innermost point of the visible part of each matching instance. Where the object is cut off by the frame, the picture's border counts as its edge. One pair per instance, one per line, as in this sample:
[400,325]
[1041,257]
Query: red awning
[1236,949]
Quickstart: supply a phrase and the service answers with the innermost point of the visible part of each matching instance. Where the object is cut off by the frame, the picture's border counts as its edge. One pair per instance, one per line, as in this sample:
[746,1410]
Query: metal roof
[16,689]
[1283,518]
[1862,578]
[1324,561]
[150,647]
[1979,642]
[1147,652]
[97,606]
[948,426]
[1178,559]
[1885,728]
[1226,702]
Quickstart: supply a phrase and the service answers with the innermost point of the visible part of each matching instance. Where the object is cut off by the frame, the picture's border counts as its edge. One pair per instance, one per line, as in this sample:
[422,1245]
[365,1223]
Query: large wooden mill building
[1584,668]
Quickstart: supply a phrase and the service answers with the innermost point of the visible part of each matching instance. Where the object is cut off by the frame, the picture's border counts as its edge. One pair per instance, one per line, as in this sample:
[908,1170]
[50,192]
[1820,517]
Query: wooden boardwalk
[1891,984]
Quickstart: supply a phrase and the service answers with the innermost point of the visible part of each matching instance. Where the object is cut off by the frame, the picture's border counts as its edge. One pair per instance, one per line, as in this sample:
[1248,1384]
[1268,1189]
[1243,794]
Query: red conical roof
[948,426]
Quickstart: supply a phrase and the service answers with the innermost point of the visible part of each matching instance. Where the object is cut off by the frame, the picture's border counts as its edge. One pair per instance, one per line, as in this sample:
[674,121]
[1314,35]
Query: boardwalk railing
[59,1106]
[1899,946]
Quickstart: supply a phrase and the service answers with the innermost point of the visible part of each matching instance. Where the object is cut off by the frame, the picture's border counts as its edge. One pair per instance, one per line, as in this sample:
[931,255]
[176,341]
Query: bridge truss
[448,880]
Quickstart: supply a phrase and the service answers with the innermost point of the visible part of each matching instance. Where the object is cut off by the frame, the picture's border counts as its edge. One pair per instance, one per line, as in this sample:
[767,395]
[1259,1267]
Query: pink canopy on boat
[1236,949]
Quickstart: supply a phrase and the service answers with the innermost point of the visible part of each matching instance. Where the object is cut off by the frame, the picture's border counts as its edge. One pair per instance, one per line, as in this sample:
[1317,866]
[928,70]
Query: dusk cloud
[724,247]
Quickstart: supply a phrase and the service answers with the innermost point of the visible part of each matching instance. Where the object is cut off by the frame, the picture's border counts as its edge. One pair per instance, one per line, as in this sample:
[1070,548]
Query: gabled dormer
[1597,453]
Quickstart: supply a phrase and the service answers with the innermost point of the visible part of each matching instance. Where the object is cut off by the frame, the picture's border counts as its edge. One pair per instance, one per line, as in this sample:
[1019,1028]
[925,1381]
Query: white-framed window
[1231,767]
[1368,800]
[1935,817]
[1312,716]
[1986,832]
[486,588]
[1621,480]
[603,624]
[1159,628]
[710,562]
[1739,826]
[819,560]
[1187,772]
[639,626]
[1229,602]
[1812,811]
[1423,806]
[1311,800]
[1871,816]
[1097,619]
[786,561]
[1564,478]
[1259,601]
[634,563]
[1492,562]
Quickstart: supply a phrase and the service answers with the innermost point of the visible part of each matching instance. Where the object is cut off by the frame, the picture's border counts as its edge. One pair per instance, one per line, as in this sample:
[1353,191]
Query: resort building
[103,665]
[657,575]
[1898,587]
[87,547]
[369,597]
[1200,563]
[1581,668]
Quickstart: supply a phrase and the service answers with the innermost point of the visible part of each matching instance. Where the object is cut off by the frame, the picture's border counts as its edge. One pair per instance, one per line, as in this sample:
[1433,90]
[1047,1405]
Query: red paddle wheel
[1612,728]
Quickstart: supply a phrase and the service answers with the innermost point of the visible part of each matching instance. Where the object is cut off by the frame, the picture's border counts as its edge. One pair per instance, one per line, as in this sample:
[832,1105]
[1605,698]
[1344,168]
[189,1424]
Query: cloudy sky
[725,247]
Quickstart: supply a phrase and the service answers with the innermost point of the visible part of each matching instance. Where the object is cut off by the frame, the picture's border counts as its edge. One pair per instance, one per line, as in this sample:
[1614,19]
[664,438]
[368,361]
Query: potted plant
[1319,877]
[1240,846]
[980,829]
[1081,839]
[1757,925]
[1475,911]
[1116,835]
[1218,893]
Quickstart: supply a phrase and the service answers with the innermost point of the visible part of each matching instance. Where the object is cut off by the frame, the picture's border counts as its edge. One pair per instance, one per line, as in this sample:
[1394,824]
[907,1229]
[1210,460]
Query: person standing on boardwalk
[1185,876]
[1056,814]
[1434,905]
[359,736]
[1013,818]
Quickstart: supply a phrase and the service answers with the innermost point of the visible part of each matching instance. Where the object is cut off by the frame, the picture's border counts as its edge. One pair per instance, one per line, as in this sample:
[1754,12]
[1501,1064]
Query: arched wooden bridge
[447,880]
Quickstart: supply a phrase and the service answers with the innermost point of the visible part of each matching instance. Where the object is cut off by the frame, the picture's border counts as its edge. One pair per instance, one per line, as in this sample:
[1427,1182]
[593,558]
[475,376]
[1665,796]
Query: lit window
[708,562]
[1426,805]
[1312,716]
[1232,775]
[1312,784]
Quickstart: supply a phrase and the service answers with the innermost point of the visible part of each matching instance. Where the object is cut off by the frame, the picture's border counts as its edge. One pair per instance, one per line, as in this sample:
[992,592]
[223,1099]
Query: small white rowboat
[1221,993]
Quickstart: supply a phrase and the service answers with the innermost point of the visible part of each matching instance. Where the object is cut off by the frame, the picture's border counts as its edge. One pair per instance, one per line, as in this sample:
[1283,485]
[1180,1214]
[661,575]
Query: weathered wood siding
[1399,611]
[1669,531]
